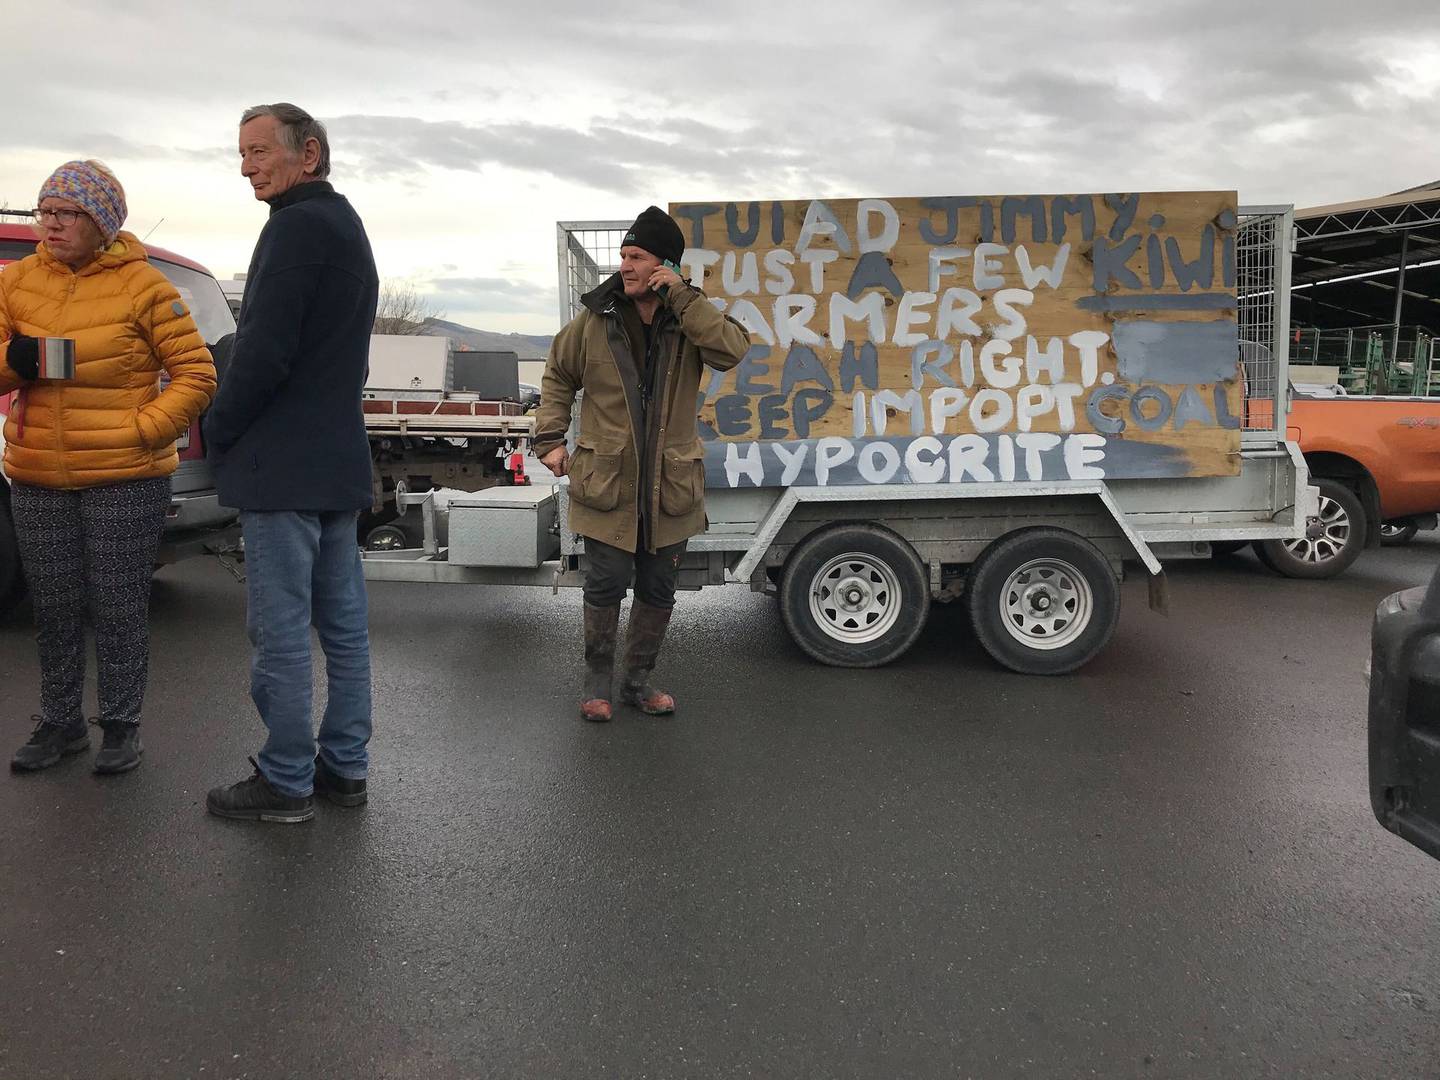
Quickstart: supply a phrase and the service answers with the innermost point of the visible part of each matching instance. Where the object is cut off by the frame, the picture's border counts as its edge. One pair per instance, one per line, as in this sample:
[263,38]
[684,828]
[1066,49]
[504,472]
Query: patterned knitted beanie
[91,186]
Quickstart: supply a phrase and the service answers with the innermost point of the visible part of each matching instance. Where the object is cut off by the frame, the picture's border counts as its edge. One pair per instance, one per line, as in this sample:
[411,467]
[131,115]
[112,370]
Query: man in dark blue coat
[286,436]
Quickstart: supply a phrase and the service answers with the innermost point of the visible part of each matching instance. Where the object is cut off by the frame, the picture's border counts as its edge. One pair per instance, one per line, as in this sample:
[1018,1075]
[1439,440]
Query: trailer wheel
[854,596]
[1043,601]
[12,578]
[1332,541]
[386,538]
[1398,533]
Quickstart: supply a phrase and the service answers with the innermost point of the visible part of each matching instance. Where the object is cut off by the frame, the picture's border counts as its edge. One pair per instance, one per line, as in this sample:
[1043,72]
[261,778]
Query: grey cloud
[610,155]
[488,294]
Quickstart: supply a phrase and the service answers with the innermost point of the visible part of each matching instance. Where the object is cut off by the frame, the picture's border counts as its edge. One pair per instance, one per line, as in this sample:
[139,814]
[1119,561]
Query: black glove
[23,357]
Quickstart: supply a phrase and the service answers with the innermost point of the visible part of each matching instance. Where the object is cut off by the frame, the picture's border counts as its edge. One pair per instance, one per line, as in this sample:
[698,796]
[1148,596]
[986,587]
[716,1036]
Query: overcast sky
[463,131]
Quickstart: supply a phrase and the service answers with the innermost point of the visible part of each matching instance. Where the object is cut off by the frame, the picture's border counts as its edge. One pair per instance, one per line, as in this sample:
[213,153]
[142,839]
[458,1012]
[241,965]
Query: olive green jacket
[632,451]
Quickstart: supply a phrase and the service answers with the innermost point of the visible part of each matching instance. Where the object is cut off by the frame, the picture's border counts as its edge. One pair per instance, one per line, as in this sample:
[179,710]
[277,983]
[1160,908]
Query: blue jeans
[302,569]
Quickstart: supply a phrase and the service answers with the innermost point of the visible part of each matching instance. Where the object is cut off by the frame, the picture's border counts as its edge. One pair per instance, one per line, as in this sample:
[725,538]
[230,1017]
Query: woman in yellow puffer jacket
[89,457]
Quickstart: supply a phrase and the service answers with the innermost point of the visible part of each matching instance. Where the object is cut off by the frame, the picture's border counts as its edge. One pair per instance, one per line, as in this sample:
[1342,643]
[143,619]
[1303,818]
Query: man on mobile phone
[637,477]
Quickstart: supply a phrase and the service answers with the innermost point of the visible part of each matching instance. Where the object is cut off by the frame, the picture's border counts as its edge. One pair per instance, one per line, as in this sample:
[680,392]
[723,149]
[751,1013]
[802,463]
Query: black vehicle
[1405,715]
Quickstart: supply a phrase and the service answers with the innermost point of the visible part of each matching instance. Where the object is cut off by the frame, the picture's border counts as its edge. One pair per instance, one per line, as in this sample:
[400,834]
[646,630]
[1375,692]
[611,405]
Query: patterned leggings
[91,548]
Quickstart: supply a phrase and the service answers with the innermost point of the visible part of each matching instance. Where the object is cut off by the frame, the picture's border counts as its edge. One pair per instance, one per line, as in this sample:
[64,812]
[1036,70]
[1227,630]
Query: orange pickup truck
[1376,461]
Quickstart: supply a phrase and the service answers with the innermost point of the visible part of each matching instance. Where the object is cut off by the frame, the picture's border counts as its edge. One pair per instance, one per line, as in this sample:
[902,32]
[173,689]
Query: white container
[400,362]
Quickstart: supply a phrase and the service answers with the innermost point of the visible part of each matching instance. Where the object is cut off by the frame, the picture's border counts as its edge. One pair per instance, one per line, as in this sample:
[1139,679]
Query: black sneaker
[121,749]
[338,789]
[49,743]
[256,800]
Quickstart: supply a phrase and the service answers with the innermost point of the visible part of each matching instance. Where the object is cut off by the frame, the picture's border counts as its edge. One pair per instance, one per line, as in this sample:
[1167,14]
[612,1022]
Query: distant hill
[525,346]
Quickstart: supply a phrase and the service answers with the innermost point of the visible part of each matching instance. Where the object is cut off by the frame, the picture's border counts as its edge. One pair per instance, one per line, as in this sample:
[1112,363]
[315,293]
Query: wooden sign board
[972,339]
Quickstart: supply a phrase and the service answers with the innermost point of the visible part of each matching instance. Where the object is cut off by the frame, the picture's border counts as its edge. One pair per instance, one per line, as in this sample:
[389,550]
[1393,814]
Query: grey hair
[296,128]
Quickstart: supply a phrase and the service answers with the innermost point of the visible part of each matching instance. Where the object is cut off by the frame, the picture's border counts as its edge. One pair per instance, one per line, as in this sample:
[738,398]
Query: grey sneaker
[121,749]
[48,744]
[256,800]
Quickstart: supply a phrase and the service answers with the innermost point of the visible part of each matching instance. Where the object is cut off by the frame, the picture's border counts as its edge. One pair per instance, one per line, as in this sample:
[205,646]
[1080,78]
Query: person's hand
[23,356]
[662,278]
[557,460]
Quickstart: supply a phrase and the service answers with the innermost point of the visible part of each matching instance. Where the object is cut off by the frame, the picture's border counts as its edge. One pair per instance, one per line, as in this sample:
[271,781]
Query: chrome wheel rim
[1390,532]
[384,539]
[855,598]
[1325,535]
[1046,604]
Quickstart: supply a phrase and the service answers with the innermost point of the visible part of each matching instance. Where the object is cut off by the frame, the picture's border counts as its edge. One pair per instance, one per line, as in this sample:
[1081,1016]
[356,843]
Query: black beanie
[657,233]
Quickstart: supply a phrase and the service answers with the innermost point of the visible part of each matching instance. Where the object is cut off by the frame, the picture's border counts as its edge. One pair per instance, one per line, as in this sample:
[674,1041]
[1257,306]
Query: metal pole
[1399,299]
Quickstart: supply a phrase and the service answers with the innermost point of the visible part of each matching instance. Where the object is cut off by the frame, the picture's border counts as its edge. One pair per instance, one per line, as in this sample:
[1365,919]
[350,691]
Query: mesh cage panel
[1261,285]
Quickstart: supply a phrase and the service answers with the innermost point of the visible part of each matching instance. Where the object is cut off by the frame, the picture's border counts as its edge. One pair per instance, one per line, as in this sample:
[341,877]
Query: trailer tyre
[1221,548]
[1043,601]
[854,596]
[1332,541]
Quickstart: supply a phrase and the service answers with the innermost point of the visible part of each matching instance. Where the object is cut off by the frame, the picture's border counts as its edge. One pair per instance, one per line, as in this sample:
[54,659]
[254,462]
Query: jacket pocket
[140,438]
[595,473]
[682,480]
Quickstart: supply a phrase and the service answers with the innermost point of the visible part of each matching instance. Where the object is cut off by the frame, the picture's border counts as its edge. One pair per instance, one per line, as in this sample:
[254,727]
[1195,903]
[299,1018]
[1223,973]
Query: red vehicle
[196,523]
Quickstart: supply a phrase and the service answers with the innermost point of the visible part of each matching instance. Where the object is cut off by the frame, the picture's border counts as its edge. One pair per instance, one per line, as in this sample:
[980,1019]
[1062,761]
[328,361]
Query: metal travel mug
[57,358]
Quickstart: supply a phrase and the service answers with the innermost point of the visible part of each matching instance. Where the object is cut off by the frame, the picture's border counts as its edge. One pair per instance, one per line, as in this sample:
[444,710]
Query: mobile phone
[669,265]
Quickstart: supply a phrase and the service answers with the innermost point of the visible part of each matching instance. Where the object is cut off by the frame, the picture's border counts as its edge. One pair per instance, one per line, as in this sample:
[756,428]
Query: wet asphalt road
[1163,866]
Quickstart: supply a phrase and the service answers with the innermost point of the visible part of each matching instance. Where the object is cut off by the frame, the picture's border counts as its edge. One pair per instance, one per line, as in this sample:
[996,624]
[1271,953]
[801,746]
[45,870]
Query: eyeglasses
[60,217]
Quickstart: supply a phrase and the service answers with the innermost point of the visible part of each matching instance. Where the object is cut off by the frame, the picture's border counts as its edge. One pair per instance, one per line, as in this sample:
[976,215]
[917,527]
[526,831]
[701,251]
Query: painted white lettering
[816,261]
[1084,455]
[1032,401]
[1005,303]
[748,315]
[870,307]
[940,264]
[779,279]
[1048,361]
[1033,274]
[1004,374]
[830,452]
[925,470]
[908,315]
[967,458]
[1035,444]
[792,316]
[743,460]
[791,459]
[987,266]
[889,225]
[948,320]
[967,363]
[946,402]
[1005,453]
[909,402]
[1004,411]
[1089,342]
[820,220]
[739,276]
[695,262]
[878,463]
[1065,395]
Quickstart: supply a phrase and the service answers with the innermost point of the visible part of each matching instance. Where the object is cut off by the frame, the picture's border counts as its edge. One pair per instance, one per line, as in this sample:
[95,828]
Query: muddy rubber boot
[601,625]
[643,639]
